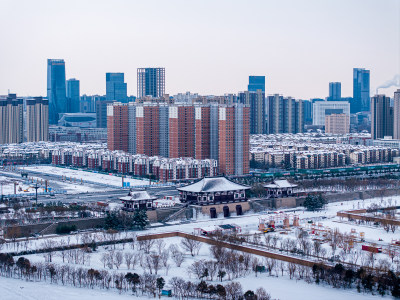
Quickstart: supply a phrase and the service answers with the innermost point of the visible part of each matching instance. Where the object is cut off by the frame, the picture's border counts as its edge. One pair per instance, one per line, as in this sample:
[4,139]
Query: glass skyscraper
[56,91]
[73,96]
[151,82]
[361,93]
[116,88]
[256,83]
[335,91]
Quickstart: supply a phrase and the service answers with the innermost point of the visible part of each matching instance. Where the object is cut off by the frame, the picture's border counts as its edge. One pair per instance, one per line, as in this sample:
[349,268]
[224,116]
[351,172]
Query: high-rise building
[285,115]
[323,108]
[170,130]
[335,91]
[56,91]
[307,112]
[11,119]
[73,96]
[116,88]
[150,82]
[132,128]
[256,102]
[101,113]
[88,104]
[234,132]
[381,117]
[361,90]
[181,131]
[396,115]
[37,119]
[117,126]
[148,129]
[256,83]
[337,123]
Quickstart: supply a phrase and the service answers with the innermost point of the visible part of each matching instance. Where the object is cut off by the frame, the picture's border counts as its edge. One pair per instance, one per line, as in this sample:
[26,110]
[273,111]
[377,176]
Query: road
[108,195]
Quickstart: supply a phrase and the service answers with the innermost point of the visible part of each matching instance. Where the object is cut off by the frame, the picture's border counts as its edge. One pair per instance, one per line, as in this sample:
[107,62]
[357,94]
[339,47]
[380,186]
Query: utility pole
[2,190]
[36,188]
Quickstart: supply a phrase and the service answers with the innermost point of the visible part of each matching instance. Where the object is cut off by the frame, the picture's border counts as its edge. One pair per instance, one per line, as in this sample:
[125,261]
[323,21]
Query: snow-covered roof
[138,195]
[279,184]
[212,185]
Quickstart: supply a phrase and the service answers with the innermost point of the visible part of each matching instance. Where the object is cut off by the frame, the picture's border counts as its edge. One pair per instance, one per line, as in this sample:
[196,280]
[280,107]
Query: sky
[208,47]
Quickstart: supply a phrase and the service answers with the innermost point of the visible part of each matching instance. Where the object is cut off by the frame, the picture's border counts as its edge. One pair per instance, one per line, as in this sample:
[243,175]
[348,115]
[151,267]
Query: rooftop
[212,185]
[279,184]
[138,195]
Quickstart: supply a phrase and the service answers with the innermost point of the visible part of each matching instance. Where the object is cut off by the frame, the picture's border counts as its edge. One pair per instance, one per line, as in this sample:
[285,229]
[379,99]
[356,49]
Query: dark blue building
[116,88]
[73,96]
[256,101]
[150,82]
[335,91]
[56,91]
[256,83]
[361,90]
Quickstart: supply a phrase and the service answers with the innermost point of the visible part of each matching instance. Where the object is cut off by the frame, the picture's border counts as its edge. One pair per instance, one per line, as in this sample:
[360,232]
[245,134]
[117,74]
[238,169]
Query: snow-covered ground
[14,289]
[8,186]
[279,287]
[79,175]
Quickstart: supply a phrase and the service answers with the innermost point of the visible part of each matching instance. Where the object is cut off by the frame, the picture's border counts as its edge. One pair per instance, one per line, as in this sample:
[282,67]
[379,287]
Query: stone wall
[220,207]
[27,230]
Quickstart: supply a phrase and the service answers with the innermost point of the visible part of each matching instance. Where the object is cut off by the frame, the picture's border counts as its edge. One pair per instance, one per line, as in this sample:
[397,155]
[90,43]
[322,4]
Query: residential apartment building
[285,115]
[11,119]
[180,130]
[396,115]
[256,101]
[337,124]
[117,126]
[381,117]
[37,119]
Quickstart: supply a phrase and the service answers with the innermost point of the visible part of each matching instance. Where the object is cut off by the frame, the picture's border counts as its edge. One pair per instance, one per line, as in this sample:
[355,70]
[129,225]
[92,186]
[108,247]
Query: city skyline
[293,57]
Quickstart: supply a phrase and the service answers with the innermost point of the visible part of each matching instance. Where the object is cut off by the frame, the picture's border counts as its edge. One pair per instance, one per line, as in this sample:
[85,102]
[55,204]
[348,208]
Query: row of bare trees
[145,284]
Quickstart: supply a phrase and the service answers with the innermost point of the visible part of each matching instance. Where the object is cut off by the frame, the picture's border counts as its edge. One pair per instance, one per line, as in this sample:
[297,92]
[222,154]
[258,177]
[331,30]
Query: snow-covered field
[71,187]
[279,287]
[79,175]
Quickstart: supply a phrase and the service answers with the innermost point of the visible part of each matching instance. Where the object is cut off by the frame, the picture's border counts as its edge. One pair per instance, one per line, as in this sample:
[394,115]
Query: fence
[241,248]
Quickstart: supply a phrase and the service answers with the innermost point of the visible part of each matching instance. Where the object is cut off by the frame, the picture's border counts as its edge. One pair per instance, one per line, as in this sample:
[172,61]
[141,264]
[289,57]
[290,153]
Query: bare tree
[292,269]
[160,245]
[104,259]
[178,258]
[270,263]
[191,246]
[197,268]
[165,261]
[234,290]
[128,259]
[212,268]
[317,248]
[118,259]
[262,294]
[354,256]
[146,245]
[156,262]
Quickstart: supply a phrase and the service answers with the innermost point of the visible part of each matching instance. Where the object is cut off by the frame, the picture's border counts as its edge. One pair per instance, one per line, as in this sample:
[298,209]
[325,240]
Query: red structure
[117,126]
[147,130]
[202,132]
[181,131]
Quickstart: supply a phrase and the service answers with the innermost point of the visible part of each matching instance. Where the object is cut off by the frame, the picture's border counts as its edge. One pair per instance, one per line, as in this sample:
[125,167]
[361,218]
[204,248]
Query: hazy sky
[209,47]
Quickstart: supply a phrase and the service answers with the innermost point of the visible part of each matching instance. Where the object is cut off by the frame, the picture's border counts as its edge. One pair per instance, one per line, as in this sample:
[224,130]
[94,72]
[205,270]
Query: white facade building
[323,108]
